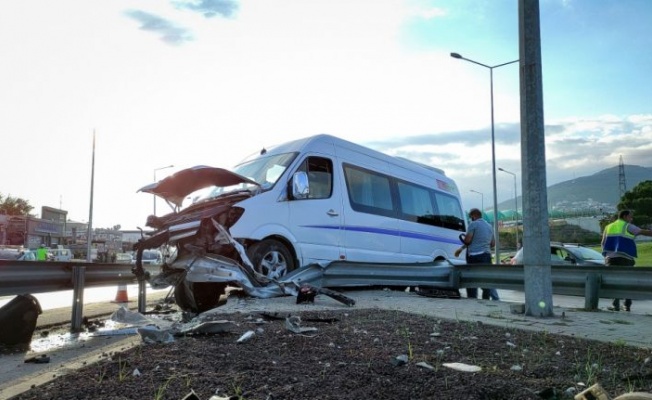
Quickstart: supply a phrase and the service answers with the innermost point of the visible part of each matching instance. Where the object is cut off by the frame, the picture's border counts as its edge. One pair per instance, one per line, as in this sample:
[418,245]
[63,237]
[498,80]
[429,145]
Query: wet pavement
[631,328]
[55,351]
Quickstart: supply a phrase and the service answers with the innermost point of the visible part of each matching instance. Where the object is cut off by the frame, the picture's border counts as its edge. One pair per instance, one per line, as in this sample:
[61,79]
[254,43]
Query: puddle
[101,328]
[56,340]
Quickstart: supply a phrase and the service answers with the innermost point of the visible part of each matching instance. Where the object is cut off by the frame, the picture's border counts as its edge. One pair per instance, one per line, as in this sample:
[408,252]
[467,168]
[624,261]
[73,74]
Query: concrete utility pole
[536,233]
[89,232]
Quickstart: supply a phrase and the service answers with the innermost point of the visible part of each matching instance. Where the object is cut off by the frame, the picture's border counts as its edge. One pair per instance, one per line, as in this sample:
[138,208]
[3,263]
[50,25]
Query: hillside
[601,187]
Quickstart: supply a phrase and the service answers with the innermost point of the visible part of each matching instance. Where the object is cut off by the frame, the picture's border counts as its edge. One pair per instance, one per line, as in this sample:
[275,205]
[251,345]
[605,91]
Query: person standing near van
[478,241]
[619,247]
[42,253]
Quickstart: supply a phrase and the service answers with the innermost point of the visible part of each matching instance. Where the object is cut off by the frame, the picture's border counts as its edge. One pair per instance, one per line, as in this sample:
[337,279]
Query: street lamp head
[507,172]
[456,55]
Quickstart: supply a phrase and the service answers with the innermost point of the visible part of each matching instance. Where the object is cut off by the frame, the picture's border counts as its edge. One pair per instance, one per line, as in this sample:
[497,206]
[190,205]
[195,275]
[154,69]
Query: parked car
[9,253]
[151,257]
[17,253]
[567,254]
[59,254]
[27,255]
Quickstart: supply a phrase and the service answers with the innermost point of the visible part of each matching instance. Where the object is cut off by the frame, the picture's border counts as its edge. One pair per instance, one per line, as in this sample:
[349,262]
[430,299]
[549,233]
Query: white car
[567,254]
[151,257]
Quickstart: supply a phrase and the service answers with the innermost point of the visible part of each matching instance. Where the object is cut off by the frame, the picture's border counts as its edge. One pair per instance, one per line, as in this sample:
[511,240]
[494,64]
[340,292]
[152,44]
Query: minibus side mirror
[300,186]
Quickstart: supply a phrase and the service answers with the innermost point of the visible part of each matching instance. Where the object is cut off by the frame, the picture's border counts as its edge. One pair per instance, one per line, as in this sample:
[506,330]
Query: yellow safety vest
[619,240]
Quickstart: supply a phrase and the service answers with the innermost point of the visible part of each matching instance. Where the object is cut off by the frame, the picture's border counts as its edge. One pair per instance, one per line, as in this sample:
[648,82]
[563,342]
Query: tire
[271,258]
[198,297]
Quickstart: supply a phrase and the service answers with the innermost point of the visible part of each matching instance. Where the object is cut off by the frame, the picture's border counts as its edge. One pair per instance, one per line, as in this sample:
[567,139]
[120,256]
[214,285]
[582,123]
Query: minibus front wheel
[198,297]
[271,258]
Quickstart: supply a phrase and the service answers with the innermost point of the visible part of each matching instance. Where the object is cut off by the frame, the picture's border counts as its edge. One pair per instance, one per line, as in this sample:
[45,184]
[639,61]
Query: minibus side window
[415,200]
[450,211]
[320,176]
[369,192]
[427,206]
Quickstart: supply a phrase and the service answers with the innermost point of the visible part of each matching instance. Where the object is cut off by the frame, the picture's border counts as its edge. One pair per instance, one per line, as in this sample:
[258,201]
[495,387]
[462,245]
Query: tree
[14,206]
[639,200]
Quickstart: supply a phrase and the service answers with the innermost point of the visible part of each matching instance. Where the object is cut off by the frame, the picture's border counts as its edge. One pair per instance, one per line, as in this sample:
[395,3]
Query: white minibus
[314,200]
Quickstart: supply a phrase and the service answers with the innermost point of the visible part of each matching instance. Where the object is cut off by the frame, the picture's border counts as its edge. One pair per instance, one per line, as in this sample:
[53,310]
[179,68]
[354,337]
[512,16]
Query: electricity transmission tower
[622,183]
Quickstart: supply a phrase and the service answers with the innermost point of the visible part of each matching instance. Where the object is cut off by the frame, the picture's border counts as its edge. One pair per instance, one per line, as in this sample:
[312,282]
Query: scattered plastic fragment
[246,336]
[462,367]
[152,334]
[425,365]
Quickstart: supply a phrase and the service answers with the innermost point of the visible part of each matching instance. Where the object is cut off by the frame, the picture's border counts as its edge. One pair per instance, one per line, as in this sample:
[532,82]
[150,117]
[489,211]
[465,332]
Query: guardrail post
[142,296]
[454,279]
[78,281]
[592,291]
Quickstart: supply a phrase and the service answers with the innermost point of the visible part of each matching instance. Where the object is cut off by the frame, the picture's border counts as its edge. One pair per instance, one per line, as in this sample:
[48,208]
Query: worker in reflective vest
[619,247]
[42,253]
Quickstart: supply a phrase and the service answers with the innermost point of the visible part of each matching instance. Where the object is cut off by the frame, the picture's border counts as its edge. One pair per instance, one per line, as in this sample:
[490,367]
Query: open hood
[175,188]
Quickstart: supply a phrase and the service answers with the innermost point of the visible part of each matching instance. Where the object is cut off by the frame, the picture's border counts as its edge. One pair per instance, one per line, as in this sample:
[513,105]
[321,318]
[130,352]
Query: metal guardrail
[588,281]
[610,282]
[18,277]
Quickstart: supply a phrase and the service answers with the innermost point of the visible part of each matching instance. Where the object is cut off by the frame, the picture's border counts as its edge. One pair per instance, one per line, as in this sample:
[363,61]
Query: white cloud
[264,73]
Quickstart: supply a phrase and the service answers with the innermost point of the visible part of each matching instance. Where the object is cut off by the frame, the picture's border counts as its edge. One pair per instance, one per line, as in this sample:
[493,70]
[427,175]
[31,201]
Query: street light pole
[481,198]
[158,169]
[515,202]
[493,143]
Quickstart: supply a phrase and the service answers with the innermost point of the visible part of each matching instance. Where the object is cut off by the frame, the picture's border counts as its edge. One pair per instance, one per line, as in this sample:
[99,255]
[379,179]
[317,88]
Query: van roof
[303,143]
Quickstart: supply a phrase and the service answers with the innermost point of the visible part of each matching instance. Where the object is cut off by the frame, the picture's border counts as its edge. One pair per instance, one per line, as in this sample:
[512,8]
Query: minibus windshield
[265,170]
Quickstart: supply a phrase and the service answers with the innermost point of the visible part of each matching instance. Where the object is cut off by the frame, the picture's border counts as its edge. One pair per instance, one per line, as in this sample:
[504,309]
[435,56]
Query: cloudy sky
[209,82]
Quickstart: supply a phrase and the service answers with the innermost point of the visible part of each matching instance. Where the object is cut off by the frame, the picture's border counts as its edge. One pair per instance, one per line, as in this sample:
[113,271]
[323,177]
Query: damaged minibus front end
[201,258]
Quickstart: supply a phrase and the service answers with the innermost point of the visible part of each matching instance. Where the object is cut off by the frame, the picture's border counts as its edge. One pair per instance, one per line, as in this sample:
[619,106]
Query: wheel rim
[273,265]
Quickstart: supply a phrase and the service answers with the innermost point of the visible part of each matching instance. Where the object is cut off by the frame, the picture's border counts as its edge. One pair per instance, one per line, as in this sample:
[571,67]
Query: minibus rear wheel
[271,258]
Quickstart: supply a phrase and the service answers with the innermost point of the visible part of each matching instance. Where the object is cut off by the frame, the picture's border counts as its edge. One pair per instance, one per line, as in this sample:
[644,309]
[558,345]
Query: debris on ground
[246,336]
[152,334]
[352,359]
[207,328]
[457,366]
[92,325]
[42,359]
[597,392]
[293,324]
[126,316]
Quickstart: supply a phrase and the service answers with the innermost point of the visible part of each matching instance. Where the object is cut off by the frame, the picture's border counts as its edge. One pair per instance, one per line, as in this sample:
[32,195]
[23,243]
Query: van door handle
[332,213]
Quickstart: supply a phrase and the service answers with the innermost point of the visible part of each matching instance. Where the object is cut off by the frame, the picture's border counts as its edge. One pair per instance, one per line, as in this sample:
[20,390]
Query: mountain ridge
[602,187]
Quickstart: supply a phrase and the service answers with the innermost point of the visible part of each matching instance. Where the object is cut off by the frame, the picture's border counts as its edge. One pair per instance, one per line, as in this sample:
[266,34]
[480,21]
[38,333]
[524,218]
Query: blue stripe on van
[391,232]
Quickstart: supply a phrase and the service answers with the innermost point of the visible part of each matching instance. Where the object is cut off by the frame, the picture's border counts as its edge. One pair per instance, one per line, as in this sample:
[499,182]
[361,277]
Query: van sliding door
[370,224]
